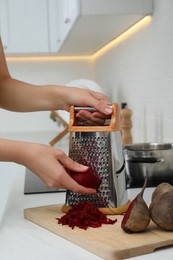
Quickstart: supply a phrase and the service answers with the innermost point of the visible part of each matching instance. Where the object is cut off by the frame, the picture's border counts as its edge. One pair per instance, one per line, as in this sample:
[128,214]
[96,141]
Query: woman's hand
[47,162]
[84,98]
[50,163]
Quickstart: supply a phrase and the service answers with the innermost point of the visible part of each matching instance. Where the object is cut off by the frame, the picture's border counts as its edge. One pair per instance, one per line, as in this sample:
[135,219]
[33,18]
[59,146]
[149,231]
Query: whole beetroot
[160,189]
[161,207]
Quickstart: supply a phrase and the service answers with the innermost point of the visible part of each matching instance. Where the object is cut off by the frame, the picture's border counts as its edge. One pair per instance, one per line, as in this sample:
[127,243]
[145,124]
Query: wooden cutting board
[109,241]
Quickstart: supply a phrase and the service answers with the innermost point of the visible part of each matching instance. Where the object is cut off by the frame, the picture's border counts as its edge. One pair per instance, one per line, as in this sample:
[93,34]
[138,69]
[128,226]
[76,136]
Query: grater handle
[113,126]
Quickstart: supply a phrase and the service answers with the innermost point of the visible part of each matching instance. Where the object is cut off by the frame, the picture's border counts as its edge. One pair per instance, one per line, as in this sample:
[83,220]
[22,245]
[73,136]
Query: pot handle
[145,160]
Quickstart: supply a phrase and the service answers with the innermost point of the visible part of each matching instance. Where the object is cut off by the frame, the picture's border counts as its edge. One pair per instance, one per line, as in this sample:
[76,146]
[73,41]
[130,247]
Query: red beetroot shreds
[84,215]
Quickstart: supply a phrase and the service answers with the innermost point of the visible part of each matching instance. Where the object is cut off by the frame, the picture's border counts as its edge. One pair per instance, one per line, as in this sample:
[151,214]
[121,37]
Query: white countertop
[22,239]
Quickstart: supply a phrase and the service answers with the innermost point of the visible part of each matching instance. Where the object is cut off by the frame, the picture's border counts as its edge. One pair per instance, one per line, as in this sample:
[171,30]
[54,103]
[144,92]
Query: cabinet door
[4,30]
[25,29]
[70,11]
[67,14]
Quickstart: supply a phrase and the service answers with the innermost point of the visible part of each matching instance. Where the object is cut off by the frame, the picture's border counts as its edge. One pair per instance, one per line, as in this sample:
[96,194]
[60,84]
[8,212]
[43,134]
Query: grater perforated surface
[93,150]
[100,148]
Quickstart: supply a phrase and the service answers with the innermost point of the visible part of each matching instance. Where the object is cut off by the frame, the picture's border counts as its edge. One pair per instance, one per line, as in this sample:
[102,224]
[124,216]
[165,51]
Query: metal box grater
[99,147]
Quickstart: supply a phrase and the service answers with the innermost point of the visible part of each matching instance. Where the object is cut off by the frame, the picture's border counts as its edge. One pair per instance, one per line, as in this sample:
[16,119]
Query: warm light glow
[130,32]
[122,37]
[47,58]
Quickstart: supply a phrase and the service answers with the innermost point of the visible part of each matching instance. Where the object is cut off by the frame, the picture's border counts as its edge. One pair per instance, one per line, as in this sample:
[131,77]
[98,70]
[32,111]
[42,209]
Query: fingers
[72,185]
[101,103]
[84,97]
[50,163]
[91,118]
[66,181]
[103,107]
[68,163]
[87,118]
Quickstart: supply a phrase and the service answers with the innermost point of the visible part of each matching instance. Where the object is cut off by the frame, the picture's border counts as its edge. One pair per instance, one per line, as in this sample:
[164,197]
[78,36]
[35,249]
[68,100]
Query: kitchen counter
[22,239]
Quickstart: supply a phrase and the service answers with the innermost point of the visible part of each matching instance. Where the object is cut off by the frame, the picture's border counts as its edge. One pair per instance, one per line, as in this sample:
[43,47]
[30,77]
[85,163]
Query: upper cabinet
[24,26]
[63,15]
[94,23]
[66,27]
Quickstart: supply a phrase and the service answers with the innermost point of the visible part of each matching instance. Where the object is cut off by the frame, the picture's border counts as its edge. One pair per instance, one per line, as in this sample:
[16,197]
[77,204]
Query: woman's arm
[47,162]
[20,96]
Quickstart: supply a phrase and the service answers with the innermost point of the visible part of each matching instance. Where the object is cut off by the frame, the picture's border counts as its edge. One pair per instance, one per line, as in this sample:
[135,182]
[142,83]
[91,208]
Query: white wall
[140,72]
[39,72]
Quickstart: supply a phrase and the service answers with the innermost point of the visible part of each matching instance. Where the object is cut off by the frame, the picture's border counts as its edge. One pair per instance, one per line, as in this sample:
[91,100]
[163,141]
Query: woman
[47,162]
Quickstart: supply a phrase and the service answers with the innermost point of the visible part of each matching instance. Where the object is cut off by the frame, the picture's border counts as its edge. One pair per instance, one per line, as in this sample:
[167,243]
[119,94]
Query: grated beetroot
[84,215]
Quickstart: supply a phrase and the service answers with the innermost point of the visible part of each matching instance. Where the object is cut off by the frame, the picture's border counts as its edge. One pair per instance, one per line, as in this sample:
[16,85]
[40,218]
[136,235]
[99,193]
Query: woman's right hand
[50,165]
[47,162]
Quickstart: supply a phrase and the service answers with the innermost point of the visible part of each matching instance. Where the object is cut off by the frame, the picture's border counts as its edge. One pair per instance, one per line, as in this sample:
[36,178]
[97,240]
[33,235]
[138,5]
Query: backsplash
[139,72]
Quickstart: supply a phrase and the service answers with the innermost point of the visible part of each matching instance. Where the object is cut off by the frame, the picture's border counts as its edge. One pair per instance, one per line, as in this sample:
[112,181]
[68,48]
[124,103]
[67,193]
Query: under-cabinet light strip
[122,37]
[46,58]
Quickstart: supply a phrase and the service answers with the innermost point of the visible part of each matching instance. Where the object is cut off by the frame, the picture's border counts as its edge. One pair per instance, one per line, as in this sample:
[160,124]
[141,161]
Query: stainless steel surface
[88,108]
[102,151]
[33,184]
[151,160]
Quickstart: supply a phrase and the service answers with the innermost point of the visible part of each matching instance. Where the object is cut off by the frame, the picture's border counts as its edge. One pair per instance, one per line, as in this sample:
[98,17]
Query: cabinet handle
[67,20]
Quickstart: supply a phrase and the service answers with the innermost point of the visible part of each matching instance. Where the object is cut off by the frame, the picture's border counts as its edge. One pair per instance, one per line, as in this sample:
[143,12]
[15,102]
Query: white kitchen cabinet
[24,26]
[36,26]
[67,14]
[93,23]
[66,27]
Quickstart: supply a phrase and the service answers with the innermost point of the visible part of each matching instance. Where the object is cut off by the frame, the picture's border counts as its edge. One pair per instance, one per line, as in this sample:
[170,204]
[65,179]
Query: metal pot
[151,160]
